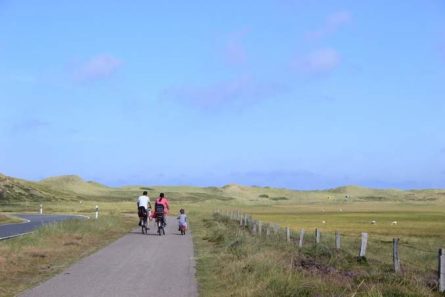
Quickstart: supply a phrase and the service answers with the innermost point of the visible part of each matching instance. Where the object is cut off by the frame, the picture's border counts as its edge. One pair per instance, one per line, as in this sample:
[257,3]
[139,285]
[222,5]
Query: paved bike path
[134,265]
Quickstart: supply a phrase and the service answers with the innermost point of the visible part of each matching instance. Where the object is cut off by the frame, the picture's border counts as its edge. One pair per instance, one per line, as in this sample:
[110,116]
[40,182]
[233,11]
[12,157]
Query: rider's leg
[145,222]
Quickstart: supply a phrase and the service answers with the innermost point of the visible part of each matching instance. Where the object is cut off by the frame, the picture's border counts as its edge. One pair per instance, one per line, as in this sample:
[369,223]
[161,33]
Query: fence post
[260,228]
[395,255]
[97,211]
[337,240]
[287,234]
[317,236]
[276,228]
[254,228]
[241,221]
[268,231]
[300,244]
[363,244]
[41,209]
[441,271]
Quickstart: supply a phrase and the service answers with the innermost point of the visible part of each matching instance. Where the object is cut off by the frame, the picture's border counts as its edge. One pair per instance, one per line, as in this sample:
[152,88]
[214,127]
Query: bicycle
[143,218]
[182,228]
[161,224]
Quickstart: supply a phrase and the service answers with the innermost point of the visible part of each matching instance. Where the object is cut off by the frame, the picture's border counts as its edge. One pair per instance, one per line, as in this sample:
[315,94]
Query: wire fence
[395,254]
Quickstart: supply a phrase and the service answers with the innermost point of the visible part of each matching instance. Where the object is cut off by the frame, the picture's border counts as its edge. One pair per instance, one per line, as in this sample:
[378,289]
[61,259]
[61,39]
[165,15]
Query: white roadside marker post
[41,209]
[97,211]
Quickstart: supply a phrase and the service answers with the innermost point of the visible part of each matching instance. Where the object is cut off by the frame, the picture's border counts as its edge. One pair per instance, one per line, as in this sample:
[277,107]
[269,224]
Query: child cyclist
[182,221]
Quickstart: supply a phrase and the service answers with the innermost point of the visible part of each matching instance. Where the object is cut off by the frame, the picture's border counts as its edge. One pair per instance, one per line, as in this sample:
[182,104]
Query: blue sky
[303,94]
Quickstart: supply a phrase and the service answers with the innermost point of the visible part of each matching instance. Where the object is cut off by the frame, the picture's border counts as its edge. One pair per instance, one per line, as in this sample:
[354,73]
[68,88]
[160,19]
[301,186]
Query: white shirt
[182,219]
[143,201]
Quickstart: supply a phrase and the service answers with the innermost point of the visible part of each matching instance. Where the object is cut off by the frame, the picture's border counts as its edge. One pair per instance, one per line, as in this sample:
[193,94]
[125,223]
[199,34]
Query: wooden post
[254,228]
[287,234]
[260,227]
[363,244]
[441,271]
[337,240]
[395,255]
[300,244]
[268,231]
[317,236]
[241,221]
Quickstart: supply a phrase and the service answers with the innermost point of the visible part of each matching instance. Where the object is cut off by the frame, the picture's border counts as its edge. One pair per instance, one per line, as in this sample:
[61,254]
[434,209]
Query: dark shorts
[142,212]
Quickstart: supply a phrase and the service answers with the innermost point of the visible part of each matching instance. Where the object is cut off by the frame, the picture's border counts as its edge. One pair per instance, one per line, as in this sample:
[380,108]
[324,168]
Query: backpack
[159,208]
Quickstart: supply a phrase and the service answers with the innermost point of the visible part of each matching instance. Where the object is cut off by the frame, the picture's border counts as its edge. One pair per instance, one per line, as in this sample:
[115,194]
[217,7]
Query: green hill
[75,184]
[17,190]
[74,188]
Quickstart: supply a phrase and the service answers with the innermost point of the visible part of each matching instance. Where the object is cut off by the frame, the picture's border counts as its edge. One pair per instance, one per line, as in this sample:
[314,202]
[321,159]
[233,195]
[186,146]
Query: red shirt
[164,202]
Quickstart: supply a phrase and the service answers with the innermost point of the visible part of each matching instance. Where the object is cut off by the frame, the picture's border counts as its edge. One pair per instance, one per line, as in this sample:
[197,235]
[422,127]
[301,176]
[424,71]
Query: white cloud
[321,61]
[241,91]
[331,24]
[98,67]
[235,52]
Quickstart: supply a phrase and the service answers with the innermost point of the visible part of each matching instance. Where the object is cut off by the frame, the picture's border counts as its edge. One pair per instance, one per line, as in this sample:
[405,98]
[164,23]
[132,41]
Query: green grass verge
[28,260]
[232,262]
[8,219]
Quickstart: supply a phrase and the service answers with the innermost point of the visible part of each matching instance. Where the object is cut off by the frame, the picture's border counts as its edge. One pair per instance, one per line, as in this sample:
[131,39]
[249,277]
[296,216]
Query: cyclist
[182,221]
[144,207]
[162,200]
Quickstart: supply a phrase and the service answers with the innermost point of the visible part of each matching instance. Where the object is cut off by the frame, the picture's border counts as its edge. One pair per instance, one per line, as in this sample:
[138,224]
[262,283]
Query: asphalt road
[134,265]
[32,222]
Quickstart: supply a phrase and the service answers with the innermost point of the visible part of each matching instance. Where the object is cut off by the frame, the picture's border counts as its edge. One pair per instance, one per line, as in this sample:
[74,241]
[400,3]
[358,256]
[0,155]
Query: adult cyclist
[144,206]
[162,200]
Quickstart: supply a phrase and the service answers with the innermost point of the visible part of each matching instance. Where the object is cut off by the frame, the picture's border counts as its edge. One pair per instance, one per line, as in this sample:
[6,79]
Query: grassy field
[419,228]
[259,267]
[232,262]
